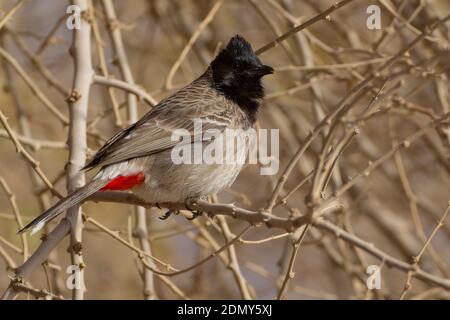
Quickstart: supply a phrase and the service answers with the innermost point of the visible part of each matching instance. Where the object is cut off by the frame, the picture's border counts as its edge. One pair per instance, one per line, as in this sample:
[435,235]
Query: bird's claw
[191,203]
[167,214]
[195,215]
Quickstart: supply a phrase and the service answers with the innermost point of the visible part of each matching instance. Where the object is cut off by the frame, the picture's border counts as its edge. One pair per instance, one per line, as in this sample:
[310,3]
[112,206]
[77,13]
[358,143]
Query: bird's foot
[168,213]
[195,215]
[190,205]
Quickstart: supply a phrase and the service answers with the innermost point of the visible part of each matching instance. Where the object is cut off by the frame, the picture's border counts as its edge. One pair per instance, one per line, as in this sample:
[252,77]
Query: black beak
[264,70]
[261,70]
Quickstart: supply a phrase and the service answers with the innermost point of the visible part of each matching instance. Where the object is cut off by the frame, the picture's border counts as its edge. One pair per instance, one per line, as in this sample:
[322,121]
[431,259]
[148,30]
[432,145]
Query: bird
[138,159]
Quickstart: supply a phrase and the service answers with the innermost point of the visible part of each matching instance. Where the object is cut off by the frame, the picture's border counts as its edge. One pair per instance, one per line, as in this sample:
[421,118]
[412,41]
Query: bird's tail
[63,204]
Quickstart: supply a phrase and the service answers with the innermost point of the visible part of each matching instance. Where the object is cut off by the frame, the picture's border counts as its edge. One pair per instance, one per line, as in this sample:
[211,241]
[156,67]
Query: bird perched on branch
[139,159]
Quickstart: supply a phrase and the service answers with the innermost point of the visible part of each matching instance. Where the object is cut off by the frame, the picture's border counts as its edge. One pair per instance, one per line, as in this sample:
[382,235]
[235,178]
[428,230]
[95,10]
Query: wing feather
[153,132]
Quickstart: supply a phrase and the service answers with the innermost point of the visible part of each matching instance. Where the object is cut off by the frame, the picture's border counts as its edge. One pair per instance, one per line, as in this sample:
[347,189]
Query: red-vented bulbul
[138,158]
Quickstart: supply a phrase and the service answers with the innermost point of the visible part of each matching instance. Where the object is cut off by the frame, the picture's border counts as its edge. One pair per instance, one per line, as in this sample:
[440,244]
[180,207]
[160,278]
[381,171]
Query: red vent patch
[124,182]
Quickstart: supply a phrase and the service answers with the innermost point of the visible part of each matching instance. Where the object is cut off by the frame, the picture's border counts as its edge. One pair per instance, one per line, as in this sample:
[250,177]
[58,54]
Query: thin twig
[416,259]
[208,18]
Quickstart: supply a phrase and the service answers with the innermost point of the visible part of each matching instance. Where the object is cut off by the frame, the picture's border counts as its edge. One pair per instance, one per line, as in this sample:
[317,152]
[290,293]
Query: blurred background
[395,207]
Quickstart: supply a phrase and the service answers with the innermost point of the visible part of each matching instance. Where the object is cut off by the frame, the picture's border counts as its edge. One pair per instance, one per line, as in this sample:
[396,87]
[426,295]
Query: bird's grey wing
[153,132]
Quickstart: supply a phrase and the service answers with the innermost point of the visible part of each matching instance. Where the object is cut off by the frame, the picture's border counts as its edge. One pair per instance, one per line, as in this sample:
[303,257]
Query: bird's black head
[237,73]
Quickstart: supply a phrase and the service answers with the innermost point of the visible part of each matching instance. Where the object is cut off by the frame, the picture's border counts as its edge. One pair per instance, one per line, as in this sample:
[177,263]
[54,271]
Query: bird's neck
[249,106]
[247,98]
